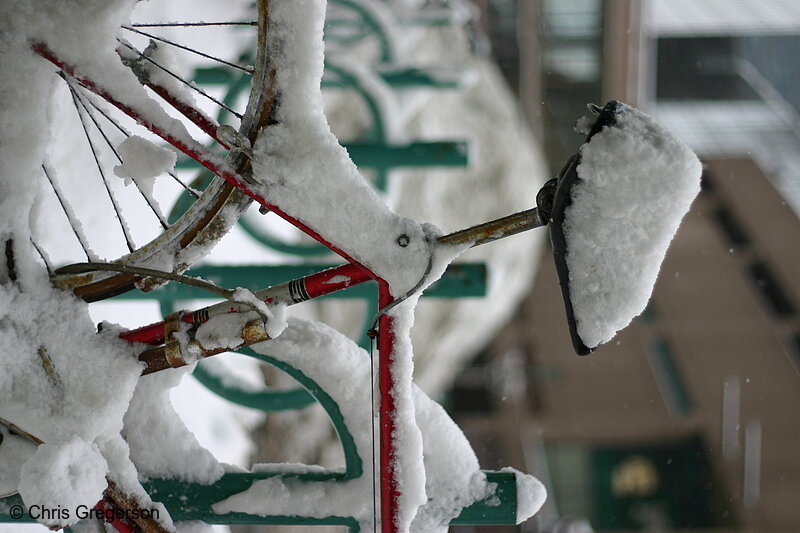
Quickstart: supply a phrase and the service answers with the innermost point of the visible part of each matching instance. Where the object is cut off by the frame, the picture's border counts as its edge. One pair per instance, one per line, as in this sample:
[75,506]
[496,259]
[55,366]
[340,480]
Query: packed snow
[274,315]
[14,451]
[159,441]
[636,183]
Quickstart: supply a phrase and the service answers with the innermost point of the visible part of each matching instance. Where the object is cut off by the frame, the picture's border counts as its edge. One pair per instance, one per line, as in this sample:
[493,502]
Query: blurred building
[686,420]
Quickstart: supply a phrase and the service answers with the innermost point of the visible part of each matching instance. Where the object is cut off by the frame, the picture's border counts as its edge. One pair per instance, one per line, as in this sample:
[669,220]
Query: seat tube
[386,384]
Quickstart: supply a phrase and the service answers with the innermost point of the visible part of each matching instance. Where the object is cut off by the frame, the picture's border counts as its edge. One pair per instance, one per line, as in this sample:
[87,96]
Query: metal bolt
[403,240]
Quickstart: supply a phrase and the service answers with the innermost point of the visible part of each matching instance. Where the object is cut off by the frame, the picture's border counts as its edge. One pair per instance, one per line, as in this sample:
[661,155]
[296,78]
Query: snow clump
[636,183]
[142,162]
[64,476]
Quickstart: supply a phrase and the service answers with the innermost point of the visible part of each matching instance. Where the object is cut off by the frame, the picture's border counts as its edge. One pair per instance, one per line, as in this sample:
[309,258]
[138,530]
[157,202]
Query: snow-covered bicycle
[612,212]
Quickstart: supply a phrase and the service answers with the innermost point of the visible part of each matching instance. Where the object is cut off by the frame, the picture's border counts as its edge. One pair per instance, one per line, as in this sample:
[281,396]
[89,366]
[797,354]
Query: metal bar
[460,280]
[416,154]
[496,229]
[290,292]
[192,24]
[389,486]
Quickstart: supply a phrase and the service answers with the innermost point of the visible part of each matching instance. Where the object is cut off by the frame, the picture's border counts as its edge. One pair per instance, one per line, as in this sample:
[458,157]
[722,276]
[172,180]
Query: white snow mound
[143,161]
[310,176]
[63,476]
[636,183]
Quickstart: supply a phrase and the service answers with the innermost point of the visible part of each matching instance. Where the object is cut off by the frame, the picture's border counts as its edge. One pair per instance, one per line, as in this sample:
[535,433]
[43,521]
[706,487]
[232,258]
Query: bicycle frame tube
[289,293]
[389,490]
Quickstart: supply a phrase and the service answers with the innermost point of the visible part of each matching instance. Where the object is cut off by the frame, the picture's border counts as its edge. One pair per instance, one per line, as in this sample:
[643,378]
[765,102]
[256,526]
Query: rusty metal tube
[496,229]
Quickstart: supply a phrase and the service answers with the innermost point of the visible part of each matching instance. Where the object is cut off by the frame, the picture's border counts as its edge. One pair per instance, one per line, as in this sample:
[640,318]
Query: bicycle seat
[618,203]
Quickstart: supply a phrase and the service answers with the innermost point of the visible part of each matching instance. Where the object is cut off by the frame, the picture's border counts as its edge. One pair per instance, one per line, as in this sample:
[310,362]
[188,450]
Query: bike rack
[373,22]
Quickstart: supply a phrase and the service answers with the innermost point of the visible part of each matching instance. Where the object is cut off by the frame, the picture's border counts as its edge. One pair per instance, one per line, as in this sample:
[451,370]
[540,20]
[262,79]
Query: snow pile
[221,331]
[636,183]
[142,162]
[14,451]
[160,444]
[310,176]
[67,388]
[274,315]
[451,476]
[63,476]
[59,377]
[531,494]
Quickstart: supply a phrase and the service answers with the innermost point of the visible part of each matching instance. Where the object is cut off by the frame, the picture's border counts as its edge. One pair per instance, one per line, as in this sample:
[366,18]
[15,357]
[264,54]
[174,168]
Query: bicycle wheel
[215,210]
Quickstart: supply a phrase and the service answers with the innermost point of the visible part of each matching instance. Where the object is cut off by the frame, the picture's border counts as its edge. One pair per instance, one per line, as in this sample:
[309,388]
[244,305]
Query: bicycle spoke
[248,70]
[195,24]
[41,253]
[191,86]
[74,223]
[199,223]
[126,133]
[103,178]
[154,208]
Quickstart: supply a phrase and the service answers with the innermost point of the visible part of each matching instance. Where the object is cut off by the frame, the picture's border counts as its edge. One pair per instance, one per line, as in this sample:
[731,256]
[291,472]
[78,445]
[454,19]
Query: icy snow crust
[636,183]
[309,175]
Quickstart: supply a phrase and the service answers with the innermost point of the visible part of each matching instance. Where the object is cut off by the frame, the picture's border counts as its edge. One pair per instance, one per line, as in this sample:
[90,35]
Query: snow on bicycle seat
[618,204]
